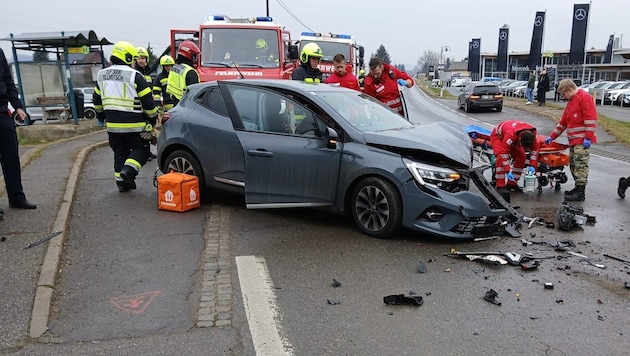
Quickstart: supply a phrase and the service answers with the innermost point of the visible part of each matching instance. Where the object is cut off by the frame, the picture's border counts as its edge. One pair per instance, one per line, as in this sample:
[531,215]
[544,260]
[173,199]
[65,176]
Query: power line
[286,8]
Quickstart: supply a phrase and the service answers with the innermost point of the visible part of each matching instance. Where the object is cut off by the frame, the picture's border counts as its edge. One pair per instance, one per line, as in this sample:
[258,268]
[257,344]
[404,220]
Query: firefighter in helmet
[308,70]
[142,63]
[123,98]
[183,72]
[160,82]
[263,55]
[361,78]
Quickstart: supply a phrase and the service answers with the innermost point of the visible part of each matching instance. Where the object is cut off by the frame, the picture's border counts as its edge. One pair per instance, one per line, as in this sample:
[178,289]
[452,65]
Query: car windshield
[362,111]
[221,47]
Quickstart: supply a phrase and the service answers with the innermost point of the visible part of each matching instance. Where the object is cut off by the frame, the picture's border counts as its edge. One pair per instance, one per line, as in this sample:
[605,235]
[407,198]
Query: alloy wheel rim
[181,165]
[372,208]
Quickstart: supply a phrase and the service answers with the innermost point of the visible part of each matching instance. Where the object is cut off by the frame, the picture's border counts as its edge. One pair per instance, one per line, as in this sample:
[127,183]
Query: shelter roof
[59,39]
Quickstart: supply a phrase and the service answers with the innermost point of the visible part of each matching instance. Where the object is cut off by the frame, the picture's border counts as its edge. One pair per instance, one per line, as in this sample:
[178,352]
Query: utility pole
[267,8]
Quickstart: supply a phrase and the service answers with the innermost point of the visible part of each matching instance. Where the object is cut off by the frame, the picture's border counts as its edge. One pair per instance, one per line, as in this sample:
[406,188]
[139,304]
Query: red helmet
[189,50]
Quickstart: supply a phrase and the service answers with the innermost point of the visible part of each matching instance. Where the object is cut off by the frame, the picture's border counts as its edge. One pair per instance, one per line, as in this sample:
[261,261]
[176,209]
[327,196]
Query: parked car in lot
[614,96]
[626,100]
[600,92]
[480,95]
[460,82]
[290,144]
[508,90]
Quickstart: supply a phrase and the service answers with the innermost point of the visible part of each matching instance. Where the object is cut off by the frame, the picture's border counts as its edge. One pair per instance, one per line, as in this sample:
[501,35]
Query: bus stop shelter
[62,45]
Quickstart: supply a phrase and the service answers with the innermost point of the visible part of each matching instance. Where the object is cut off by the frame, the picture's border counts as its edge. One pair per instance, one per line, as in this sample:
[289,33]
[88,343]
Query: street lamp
[442,50]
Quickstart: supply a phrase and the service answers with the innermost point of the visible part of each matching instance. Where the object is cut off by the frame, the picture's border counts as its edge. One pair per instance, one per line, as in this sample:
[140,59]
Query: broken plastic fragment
[335,283]
[421,267]
[333,301]
[490,297]
[401,299]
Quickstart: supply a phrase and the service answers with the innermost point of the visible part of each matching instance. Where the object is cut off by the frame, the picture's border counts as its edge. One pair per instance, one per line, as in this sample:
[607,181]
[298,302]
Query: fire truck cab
[256,47]
[331,44]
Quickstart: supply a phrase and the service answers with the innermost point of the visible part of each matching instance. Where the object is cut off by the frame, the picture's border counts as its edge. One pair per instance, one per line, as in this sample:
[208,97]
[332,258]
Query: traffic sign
[79,50]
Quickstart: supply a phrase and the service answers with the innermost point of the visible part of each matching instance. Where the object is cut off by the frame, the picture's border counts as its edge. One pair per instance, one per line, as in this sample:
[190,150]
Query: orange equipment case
[178,192]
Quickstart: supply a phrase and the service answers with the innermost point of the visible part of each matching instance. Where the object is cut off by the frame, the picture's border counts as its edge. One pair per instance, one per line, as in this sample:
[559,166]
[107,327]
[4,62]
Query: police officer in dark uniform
[9,155]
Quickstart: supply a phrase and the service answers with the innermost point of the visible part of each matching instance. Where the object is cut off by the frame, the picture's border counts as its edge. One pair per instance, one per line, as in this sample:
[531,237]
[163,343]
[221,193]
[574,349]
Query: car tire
[499,108]
[183,161]
[376,207]
[89,113]
[459,104]
[466,107]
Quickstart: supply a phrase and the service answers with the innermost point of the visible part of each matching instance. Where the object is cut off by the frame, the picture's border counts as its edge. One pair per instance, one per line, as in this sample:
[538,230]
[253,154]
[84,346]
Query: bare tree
[428,58]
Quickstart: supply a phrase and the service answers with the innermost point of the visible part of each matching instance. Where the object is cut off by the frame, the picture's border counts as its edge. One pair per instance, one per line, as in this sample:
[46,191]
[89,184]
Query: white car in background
[459,82]
[614,96]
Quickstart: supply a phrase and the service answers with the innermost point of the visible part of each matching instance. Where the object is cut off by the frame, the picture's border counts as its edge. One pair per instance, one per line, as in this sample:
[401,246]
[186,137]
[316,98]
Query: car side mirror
[293,52]
[331,138]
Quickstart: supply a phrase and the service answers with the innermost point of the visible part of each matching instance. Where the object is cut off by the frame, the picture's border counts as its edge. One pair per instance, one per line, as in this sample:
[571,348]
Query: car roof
[286,84]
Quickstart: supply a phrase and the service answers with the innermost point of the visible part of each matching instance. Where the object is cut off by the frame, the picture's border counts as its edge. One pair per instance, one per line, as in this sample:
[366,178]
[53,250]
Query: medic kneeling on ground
[382,84]
[511,139]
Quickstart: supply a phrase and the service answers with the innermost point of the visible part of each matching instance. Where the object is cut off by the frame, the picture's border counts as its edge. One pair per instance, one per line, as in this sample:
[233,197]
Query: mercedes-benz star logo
[580,14]
[475,44]
[539,21]
[503,35]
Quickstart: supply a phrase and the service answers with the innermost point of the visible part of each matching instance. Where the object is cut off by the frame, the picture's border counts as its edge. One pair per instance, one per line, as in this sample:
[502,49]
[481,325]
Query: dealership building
[557,62]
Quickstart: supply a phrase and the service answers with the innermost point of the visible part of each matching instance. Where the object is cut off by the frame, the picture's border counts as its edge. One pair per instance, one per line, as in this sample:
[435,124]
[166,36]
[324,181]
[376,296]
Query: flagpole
[542,45]
[588,20]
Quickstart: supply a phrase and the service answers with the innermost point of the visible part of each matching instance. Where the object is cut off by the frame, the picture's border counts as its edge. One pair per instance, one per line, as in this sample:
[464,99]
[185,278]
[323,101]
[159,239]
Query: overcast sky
[405,27]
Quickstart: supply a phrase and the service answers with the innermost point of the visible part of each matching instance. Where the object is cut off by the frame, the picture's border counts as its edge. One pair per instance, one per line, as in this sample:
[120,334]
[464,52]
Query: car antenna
[239,71]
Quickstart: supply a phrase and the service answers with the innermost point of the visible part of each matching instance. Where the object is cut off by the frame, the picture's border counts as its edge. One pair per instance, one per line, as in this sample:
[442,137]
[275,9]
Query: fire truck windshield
[331,48]
[243,47]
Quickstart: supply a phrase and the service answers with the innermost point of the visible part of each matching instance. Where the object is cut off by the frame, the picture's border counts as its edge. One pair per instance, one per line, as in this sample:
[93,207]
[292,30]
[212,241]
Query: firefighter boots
[577,195]
[623,185]
[128,175]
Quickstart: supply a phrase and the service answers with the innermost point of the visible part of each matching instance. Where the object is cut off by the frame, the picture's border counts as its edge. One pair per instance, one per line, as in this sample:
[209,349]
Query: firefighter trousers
[129,150]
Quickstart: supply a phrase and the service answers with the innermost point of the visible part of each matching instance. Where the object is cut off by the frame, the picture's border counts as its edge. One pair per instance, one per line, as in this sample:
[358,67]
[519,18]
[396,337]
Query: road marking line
[260,306]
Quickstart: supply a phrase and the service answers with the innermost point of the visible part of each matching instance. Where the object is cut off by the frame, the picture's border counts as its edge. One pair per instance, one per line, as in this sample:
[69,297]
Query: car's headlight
[431,175]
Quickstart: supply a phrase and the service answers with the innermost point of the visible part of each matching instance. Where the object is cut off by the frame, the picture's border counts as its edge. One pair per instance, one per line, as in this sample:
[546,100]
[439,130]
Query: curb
[50,266]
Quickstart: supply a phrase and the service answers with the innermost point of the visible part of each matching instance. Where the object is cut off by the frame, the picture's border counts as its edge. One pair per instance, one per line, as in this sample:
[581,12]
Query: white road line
[260,306]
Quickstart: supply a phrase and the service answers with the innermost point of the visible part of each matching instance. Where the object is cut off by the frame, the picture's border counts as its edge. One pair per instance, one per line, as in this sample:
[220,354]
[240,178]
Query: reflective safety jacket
[145,72]
[159,91]
[385,89]
[306,73]
[179,78]
[123,98]
[579,119]
[505,137]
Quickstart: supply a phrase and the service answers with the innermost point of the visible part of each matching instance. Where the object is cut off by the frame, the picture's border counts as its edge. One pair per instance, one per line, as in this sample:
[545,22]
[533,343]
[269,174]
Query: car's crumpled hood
[449,140]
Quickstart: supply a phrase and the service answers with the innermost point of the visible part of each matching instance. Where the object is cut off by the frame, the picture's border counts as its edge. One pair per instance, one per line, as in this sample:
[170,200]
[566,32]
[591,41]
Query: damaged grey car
[290,144]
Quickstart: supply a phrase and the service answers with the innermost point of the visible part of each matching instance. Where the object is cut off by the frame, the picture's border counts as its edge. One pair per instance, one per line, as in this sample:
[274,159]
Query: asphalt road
[223,279]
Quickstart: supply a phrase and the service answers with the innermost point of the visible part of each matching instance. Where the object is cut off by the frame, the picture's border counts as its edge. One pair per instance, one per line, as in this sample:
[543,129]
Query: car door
[288,161]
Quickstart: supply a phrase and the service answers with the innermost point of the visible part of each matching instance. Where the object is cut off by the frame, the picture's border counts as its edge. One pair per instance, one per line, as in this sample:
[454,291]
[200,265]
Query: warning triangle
[135,304]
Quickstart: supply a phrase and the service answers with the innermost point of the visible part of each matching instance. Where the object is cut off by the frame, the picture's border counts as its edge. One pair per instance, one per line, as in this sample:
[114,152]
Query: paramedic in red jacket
[580,121]
[512,138]
[382,83]
[341,76]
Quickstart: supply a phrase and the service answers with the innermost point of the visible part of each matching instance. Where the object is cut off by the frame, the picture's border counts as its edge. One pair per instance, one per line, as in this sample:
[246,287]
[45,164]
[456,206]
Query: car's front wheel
[183,161]
[89,113]
[376,207]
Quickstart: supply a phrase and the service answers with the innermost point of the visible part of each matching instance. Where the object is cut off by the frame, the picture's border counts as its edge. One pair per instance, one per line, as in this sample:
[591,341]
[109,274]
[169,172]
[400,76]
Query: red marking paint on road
[136,303]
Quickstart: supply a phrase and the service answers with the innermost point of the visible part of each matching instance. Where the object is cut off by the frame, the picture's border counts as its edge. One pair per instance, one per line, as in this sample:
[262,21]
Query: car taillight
[165,116]
[474,97]
[498,96]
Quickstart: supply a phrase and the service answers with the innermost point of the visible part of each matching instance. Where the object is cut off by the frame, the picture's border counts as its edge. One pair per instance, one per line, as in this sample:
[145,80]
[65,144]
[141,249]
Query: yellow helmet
[167,60]
[124,51]
[311,49]
[261,44]
[142,52]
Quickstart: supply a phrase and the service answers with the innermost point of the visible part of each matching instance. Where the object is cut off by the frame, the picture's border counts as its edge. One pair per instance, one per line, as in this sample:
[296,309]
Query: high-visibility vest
[177,80]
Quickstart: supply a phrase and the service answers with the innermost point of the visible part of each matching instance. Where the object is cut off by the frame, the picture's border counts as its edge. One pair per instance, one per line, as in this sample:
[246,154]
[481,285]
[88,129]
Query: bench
[54,107]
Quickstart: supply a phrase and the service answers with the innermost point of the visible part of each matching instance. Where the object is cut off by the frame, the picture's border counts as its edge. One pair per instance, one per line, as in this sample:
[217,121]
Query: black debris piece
[530,265]
[490,297]
[548,285]
[511,231]
[559,301]
[390,313]
[333,301]
[532,234]
[627,285]
[600,318]
[429,293]
[2,239]
[412,293]
[335,283]
[421,267]
[401,299]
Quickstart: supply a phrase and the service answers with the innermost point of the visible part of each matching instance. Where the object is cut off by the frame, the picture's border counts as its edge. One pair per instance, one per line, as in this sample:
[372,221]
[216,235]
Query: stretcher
[552,158]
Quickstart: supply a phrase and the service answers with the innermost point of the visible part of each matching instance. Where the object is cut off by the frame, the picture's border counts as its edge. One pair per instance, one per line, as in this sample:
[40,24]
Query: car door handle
[260,152]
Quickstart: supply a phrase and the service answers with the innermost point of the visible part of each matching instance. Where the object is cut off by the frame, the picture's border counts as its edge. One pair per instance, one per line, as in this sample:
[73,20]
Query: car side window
[267,111]
[213,100]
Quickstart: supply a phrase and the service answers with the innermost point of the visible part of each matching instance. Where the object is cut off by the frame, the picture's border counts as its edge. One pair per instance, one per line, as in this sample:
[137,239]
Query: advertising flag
[469,56]
[535,48]
[475,54]
[578,34]
[609,48]
[502,53]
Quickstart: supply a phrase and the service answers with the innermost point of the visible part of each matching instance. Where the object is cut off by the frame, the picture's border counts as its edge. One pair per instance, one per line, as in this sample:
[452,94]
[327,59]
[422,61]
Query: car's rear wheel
[466,107]
[499,108]
[183,161]
[89,113]
[376,207]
